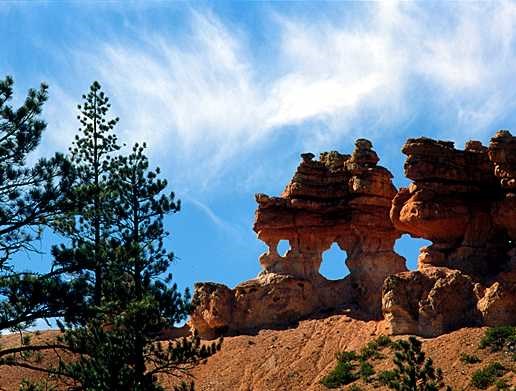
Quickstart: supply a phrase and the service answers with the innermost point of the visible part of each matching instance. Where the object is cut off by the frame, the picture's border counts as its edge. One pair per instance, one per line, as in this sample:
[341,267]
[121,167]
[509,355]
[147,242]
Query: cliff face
[463,201]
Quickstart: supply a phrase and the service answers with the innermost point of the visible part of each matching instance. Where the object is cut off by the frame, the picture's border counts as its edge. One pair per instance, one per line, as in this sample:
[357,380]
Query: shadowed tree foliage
[31,197]
[116,266]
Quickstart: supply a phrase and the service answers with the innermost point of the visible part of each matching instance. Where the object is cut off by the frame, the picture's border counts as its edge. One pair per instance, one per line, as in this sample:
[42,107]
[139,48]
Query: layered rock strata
[464,202]
[343,199]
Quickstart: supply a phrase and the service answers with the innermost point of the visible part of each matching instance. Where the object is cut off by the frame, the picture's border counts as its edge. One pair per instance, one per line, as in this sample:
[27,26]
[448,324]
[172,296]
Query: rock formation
[464,202]
[343,199]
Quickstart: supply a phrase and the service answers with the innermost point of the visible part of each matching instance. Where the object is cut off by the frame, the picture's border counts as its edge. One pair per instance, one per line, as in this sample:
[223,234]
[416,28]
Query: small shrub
[388,378]
[501,384]
[498,337]
[28,385]
[366,371]
[341,375]
[485,377]
[469,358]
[383,341]
[346,356]
[370,351]
[354,387]
[184,386]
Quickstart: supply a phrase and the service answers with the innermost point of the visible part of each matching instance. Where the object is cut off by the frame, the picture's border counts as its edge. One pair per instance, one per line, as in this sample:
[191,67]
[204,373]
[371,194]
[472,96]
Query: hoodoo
[464,201]
[343,199]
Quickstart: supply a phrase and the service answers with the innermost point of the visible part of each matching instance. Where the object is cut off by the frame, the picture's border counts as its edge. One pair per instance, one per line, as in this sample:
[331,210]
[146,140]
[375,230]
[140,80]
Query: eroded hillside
[296,359]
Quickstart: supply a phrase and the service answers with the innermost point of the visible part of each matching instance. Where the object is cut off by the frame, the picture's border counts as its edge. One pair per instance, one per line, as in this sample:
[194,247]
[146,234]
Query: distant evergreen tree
[30,199]
[414,372]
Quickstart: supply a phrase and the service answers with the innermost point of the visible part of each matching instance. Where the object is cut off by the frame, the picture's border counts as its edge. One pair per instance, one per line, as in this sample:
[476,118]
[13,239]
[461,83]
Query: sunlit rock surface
[343,199]
[464,202]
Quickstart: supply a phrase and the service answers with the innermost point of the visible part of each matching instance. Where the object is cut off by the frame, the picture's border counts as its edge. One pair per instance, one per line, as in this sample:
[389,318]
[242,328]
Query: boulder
[429,302]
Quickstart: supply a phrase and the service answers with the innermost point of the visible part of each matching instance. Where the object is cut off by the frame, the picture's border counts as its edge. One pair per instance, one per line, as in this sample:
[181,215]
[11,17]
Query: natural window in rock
[283,247]
[333,265]
[408,247]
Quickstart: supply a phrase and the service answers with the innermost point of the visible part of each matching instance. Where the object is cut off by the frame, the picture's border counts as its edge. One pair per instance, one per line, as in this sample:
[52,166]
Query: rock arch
[343,199]
[463,201]
[333,266]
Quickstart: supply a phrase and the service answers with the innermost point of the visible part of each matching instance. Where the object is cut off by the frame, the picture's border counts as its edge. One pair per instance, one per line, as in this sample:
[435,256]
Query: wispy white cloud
[200,100]
[61,111]
[220,223]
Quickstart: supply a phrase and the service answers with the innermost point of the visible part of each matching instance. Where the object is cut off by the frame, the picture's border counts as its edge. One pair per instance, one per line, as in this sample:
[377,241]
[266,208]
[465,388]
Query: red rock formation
[450,203]
[339,199]
[464,202]
[429,302]
[343,199]
[502,152]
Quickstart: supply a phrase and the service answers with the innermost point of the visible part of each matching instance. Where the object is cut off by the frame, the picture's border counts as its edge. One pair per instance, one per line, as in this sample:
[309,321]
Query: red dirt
[298,358]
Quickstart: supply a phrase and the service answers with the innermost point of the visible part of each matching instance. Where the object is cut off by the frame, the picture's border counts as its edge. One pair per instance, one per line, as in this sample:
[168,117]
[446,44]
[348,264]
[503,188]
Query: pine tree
[140,210]
[414,372]
[138,302]
[88,225]
[30,199]
[116,266]
[29,196]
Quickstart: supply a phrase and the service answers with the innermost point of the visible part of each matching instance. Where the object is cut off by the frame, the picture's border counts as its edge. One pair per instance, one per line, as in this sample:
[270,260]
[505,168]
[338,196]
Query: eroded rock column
[343,199]
[463,201]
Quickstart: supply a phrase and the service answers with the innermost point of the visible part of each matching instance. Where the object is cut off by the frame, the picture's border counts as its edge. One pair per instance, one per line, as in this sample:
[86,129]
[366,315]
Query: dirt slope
[297,358]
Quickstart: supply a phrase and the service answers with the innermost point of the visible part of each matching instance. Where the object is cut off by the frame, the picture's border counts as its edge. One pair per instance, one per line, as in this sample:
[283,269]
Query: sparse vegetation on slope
[296,359]
[415,372]
[485,377]
[499,338]
[352,366]
[469,358]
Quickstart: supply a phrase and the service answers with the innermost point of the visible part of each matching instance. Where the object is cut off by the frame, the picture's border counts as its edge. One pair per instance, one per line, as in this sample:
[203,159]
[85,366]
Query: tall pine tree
[118,258]
[87,227]
[139,301]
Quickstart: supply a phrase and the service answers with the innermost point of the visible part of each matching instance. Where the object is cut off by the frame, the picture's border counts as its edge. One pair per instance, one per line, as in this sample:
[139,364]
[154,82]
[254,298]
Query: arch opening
[333,264]
[282,247]
[408,247]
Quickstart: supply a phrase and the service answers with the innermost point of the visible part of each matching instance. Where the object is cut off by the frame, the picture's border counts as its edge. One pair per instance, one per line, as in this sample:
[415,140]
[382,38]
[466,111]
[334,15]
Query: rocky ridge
[464,201]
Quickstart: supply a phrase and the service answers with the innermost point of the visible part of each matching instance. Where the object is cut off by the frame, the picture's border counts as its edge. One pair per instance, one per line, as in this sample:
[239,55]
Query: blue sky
[228,94]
